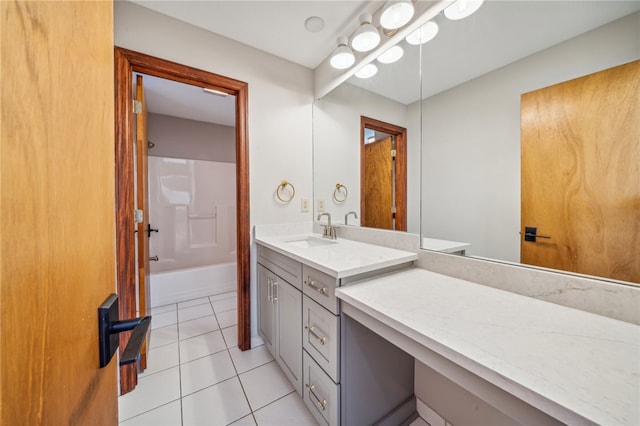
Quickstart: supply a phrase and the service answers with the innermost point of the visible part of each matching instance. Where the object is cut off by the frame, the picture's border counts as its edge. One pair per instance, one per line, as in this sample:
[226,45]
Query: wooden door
[397,178]
[581,174]
[56,212]
[142,202]
[378,184]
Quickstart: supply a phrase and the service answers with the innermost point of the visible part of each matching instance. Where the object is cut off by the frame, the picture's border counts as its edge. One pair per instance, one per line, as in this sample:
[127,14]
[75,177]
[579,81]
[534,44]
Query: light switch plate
[304,205]
[320,205]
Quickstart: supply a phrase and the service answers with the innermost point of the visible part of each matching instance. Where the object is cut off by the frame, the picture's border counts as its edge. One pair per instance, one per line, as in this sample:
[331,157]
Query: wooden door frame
[401,166]
[126,63]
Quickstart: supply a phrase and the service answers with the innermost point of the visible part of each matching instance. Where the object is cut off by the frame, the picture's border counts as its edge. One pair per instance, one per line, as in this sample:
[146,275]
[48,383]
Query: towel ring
[340,193]
[281,187]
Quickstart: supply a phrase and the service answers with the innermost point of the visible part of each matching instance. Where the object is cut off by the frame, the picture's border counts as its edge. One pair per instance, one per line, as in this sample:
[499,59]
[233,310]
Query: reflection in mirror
[339,123]
[464,147]
[383,175]
[504,71]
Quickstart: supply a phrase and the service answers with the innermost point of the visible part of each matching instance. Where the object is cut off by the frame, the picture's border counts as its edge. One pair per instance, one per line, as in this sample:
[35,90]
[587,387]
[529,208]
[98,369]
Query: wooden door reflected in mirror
[383,175]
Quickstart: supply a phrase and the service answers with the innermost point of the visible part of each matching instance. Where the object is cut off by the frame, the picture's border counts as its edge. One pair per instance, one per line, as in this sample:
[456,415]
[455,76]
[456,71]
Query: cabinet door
[289,326]
[266,308]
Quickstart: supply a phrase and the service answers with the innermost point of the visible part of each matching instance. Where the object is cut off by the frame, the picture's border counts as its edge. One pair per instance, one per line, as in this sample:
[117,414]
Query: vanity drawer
[288,269]
[321,336]
[321,288]
[321,394]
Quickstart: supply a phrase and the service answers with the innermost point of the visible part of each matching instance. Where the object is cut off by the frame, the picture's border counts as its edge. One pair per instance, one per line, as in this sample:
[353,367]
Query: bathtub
[191,283]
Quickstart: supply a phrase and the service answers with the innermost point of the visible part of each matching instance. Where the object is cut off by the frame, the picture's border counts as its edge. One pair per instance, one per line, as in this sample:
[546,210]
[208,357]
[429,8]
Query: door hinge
[137,107]
[138,216]
[393,154]
[393,210]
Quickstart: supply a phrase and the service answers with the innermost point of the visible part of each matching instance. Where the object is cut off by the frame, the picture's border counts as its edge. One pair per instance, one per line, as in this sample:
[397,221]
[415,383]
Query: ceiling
[278,27]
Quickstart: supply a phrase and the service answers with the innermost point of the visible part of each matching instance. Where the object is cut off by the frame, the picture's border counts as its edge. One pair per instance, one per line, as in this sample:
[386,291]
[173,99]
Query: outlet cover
[304,205]
[320,205]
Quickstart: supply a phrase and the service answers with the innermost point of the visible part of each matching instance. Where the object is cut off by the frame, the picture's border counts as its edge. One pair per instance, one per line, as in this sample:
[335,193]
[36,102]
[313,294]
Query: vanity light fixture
[423,34]
[462,8]
[366,36]
[396,13]
[342,57]
[391,55]
[367,71]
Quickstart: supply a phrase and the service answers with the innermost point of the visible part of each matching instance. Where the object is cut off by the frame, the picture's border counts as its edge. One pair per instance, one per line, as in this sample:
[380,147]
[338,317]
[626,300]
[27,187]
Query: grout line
[235,368]
[227,348]
[120,421]
[179,369]
[245,395]
[166,344]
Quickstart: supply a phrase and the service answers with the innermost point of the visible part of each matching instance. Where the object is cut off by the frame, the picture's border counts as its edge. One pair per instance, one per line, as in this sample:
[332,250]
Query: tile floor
[196,374]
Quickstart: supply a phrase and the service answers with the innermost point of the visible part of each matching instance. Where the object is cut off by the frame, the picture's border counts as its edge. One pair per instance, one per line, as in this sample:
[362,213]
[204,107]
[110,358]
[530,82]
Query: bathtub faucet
[329,231]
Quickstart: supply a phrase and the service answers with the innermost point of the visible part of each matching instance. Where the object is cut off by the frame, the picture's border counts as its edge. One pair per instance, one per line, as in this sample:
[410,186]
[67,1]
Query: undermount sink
[310,242]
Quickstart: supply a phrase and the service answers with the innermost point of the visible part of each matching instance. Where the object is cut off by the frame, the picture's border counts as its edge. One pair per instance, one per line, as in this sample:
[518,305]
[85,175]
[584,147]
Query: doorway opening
[126,64]
[383,175]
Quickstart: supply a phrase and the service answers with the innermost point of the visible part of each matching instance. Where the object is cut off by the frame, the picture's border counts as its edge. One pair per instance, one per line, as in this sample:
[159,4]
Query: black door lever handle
[109,327]
[531,234]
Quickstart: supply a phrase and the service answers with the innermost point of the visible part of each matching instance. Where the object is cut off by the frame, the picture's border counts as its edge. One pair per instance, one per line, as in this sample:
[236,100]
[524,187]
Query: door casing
[126,63]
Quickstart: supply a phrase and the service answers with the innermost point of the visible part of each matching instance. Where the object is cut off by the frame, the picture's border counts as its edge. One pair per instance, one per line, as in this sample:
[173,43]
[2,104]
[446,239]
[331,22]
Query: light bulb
[391,55]
[342,57]
[366,36]
[423,34]
[462,8]
[396,13]
[367,71]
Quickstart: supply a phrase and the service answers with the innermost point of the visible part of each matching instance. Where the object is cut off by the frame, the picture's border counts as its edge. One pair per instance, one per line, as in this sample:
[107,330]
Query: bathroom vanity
[537,362]
[357,329]
[334,363]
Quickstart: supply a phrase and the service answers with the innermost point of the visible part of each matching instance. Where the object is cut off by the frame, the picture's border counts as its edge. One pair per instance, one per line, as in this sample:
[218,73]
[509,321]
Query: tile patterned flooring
[196,374]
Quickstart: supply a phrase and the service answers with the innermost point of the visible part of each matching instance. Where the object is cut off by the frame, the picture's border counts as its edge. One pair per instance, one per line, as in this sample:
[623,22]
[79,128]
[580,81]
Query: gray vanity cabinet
[280,315]
[301,322]
[266,308]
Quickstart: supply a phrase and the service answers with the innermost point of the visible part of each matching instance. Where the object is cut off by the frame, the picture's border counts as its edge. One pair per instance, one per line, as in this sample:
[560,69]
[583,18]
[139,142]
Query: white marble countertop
[444,246]
[339,258]
[571,364]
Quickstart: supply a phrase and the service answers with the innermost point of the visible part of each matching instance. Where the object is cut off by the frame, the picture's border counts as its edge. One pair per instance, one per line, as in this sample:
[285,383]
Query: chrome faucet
[329,231]
[346,221]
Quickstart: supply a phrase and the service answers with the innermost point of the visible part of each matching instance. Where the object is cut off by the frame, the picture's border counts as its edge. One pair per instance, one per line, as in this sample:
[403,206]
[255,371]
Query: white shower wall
[193,205]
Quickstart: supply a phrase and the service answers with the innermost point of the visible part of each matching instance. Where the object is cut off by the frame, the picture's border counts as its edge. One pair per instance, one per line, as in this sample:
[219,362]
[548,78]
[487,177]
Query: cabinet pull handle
[275,290]
[312,331]
[312,284]
[269,289]
[320,403]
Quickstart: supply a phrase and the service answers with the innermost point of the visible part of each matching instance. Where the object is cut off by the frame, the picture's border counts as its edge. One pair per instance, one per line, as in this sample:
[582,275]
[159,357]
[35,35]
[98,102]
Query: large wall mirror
[459,97]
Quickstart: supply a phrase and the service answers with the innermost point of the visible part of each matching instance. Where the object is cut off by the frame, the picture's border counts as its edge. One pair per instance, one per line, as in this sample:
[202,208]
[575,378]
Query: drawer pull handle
[322,403]
[312,331]
[312,284]
[272,294]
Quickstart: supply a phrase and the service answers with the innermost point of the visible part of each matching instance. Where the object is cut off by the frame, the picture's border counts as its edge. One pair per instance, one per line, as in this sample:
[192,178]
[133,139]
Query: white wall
[336,147]
[471,139]
[279,105]
[177,137]
[280,99]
